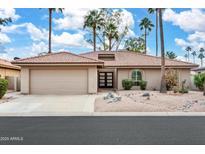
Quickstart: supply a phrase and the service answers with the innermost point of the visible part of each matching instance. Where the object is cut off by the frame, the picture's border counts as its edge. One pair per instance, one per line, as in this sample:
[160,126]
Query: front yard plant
[3,87]
[143,85]
[199,80]
[184,89]
[127,84]
[171,79]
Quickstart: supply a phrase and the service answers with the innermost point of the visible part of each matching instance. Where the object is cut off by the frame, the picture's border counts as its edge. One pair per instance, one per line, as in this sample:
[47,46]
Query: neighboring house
[11,73]
[68,73]
[195,71]
[198,70]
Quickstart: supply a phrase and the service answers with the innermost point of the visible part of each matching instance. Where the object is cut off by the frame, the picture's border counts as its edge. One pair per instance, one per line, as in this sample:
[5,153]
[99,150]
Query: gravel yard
[133,101]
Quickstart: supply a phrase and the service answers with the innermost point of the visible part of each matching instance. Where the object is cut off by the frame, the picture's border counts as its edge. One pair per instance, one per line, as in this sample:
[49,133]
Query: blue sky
[27,34]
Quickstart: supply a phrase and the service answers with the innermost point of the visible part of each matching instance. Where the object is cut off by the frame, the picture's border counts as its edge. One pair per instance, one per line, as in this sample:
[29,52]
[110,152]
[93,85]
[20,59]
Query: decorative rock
[146,95]
[109,95]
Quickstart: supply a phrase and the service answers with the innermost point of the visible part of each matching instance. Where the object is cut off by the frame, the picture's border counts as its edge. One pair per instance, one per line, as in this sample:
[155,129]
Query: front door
[105,79]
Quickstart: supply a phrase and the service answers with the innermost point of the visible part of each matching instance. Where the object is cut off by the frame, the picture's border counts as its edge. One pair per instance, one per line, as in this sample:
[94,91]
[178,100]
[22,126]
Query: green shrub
[171,78]
[199,80]
[3,87]
[143,84]
[127,84]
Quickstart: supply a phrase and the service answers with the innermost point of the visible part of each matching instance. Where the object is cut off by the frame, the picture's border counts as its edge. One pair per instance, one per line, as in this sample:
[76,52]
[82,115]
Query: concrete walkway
[15,104]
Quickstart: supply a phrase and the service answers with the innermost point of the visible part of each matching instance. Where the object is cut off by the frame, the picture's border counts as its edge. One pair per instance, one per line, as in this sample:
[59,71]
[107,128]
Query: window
[106,57]
[136,77]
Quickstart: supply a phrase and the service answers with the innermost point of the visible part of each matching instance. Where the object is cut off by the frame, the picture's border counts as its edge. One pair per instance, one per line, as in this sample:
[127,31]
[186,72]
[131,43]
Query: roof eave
[149,66]
[10,67]
[57,64]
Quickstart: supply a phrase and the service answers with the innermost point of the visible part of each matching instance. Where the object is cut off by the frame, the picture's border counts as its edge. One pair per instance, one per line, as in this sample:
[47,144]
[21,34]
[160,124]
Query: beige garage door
[58,82]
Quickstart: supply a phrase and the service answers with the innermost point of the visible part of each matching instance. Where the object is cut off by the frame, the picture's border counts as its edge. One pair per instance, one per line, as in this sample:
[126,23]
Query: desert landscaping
[152,101]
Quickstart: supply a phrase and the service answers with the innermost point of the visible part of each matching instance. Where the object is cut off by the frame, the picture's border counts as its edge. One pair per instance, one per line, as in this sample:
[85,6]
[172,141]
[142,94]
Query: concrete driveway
[43,105]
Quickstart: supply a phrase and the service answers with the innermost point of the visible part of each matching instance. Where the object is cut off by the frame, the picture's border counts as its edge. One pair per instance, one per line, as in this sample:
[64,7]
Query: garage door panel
[58,82]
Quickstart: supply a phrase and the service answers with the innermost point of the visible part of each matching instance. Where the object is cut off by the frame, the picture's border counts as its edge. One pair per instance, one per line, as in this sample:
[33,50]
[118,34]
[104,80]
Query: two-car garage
[54,81]
[59,80]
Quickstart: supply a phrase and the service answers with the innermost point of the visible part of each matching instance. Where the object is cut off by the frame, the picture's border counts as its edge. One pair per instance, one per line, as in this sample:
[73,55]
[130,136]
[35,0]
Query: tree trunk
[104,44]
[50,29]
[145,41]
[204,89]
[201,62]
[110,43]
[194,59]
[163,82]
[94,37]
[188,56]
[156,32]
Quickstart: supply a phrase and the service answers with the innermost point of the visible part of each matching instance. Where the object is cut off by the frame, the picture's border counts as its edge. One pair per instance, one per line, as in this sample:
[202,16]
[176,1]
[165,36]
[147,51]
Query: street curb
[104,114]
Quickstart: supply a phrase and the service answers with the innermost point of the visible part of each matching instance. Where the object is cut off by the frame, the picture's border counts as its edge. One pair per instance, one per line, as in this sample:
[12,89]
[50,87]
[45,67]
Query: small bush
[175,89]
[199,80]
[127,84]
[183,88]
[171,78]
[3,87]
[143,85]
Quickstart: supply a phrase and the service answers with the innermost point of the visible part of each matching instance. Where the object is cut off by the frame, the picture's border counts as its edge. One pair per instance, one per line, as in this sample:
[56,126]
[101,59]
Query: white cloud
[127,19]
[4,38]
[188,20]
[36,33]
[73,19]
[9,13]
[196,36]
[181,58]
[12,28]
[69,40]
[181,42]
[38,48]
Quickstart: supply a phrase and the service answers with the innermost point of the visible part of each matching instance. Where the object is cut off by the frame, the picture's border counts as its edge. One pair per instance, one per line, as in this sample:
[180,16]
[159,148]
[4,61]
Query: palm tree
[201,57]
[135,44]
[194,55]
[111,32]
[93,20]
[146,25]
[188,49]
[163,88]
[5,21]
[201,50]
[171,55]
[151,11]
[50,11]
[186,56]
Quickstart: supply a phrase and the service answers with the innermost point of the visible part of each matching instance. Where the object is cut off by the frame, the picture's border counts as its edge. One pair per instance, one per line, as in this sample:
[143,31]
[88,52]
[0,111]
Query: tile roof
[198,69]
[122,59]
[132,59]
[7,64]
[57,58]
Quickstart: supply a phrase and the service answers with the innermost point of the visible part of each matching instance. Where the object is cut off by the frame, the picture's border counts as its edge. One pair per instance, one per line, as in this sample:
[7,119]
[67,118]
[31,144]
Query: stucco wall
[92,80]
[25,80]
[152,76]
[9,72]
[185,74]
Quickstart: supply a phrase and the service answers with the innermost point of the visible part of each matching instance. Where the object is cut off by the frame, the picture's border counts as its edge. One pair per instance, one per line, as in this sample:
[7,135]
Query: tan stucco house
[10,72]
[68,73]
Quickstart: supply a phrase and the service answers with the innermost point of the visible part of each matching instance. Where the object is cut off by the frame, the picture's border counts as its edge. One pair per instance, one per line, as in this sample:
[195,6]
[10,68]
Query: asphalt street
[102,130]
